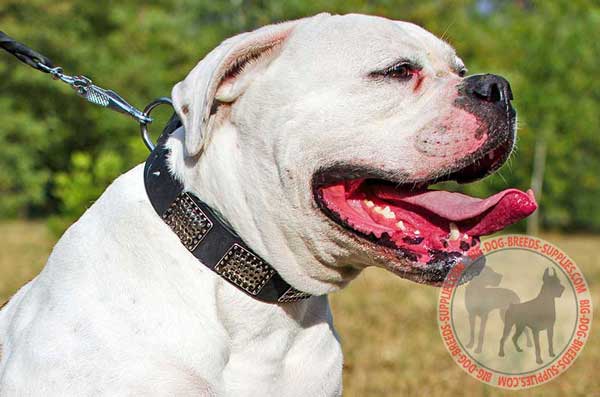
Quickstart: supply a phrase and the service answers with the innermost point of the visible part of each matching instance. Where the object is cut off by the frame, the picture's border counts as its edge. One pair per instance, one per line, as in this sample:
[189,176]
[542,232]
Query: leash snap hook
[144,125]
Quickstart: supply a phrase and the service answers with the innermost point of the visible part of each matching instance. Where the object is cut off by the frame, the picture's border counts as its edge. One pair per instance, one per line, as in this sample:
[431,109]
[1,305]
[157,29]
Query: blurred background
[58,153]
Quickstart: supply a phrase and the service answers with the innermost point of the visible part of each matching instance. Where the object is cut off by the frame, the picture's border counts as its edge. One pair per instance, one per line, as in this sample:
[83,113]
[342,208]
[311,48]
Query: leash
[201,231]
[84,87]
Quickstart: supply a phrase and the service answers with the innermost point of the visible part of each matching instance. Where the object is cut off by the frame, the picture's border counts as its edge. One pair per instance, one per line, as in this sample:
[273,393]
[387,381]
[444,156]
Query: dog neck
[222,216]
[546,295]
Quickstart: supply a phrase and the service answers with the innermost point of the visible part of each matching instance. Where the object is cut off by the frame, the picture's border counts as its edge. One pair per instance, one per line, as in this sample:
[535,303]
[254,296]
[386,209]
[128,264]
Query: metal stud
[293,295]
[244,269]
[188,221]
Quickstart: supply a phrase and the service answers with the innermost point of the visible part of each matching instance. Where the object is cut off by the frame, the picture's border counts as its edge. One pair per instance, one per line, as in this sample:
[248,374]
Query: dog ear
[546,274]
[222,76]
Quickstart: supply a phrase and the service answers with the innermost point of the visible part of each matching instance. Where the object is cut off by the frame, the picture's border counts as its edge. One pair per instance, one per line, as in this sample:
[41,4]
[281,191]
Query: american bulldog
[315,141]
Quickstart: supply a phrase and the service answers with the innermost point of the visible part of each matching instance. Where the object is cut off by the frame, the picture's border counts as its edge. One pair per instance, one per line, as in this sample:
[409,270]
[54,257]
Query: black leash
[24,53]
[199,229]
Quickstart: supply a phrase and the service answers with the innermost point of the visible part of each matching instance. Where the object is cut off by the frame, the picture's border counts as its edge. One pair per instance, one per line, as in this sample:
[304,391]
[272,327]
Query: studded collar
[206,236]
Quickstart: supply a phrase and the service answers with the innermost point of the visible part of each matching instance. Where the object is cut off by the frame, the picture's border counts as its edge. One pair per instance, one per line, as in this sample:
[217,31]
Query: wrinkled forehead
[370,42]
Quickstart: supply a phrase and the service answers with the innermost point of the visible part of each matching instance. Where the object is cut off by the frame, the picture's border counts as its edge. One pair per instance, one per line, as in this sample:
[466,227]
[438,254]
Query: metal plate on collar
[293,295]
[187,220]
[244,269]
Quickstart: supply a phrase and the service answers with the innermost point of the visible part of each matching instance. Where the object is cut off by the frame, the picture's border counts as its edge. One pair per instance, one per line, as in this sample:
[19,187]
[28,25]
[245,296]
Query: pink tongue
[477,216]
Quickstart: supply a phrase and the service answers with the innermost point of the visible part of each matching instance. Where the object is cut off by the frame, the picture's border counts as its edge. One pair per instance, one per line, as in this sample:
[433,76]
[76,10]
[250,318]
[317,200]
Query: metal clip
[97,95]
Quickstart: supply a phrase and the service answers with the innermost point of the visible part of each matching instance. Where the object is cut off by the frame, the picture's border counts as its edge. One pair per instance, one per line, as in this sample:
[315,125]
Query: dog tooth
[401,226]
[387,213]
[466,236]
[369,203]
[378,209]
[417,232]
[454,232]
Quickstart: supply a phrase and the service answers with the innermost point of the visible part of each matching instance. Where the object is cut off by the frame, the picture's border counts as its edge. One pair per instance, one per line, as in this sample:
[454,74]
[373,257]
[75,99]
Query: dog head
[552,284]
[487,278]
[317,139]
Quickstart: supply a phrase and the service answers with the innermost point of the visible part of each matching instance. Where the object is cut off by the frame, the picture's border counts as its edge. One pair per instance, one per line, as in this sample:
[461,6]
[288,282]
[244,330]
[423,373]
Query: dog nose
[489,88]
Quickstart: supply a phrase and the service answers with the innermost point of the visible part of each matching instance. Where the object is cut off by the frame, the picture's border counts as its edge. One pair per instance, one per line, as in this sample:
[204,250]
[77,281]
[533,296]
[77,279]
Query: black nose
[489,88]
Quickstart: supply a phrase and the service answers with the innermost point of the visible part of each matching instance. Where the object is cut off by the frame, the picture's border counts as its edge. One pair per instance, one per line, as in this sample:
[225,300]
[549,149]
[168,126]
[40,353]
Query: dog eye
[462,72]
[402,71]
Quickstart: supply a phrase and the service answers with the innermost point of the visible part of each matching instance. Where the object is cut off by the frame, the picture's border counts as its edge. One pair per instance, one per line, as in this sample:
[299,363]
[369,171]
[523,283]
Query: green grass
[387,325]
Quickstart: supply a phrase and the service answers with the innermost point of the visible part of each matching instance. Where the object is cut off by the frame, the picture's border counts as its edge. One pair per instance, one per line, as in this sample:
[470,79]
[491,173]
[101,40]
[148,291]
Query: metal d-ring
[144,126]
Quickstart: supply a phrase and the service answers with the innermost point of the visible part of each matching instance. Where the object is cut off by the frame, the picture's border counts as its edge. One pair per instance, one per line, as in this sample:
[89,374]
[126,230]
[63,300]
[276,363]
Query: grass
[387,325]
[25,248]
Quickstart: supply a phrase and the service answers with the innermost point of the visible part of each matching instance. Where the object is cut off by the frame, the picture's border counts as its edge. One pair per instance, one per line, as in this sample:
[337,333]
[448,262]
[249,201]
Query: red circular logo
[516,315]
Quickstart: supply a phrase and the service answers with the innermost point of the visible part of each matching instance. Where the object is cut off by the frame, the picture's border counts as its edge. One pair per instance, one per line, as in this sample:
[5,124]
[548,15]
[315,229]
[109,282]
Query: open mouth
[431,228]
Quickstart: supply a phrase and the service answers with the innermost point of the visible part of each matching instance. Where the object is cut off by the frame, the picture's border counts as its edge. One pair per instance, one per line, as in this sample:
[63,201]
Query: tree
[58,152]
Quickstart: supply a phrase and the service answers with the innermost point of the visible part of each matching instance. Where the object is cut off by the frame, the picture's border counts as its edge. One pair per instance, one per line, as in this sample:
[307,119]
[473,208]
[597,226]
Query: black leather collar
[203,233]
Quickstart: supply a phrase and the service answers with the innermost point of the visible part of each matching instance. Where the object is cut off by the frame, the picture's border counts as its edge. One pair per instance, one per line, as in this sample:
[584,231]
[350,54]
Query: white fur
[122,308]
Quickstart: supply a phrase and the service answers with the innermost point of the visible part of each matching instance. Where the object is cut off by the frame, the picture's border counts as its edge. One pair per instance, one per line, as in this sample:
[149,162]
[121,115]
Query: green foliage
[83,183]
[58,153]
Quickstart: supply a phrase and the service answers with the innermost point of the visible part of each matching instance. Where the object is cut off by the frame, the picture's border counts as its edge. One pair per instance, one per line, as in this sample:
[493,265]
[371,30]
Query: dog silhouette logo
[517,315]
[537,314]
[482,297]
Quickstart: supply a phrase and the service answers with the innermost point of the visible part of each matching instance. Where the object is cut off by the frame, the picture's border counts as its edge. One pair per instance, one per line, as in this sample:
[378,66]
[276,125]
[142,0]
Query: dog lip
[471,168]
[468,169]
[342,171]
[433,273]
[476,166]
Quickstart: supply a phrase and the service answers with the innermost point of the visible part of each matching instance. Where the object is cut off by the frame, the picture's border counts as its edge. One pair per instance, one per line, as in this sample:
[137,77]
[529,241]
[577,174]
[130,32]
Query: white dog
[315,140]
